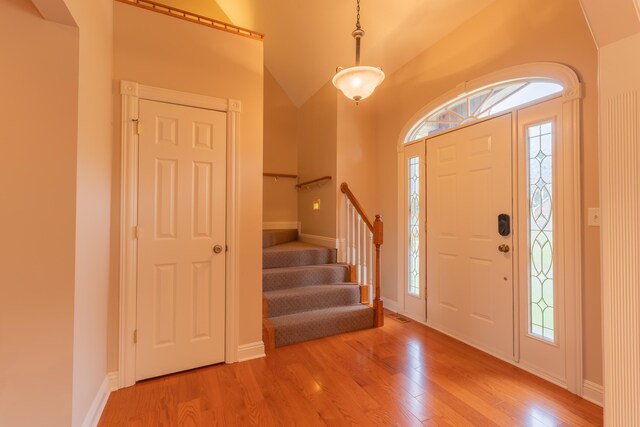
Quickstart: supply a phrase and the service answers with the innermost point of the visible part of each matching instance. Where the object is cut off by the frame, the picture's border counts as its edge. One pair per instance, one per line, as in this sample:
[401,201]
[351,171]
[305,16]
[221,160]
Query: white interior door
[181,218]
[469,278]
[542,290]
[415,255]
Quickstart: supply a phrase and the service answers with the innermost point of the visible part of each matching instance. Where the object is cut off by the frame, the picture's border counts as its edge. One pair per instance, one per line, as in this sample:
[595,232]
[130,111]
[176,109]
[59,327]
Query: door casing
[569,162]
[131,93]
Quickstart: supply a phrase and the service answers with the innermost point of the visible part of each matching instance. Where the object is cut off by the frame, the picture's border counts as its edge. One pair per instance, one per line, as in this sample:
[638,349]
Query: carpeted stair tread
[297,253]
[278,237]
[314,324]
[309,298]
[293,277]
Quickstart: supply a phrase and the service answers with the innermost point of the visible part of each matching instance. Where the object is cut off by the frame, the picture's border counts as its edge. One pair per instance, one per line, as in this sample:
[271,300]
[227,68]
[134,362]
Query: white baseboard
[593,392]
[329,242]
[114,380]
[390,304]
[97,406]
[250,351]
[282,225]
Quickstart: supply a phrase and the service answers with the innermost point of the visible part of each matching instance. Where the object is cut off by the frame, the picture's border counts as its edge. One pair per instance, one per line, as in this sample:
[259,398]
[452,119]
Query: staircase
[306,293]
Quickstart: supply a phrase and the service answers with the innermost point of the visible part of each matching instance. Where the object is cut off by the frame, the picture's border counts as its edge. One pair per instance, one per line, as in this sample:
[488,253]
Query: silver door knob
[217,249]
[504,248]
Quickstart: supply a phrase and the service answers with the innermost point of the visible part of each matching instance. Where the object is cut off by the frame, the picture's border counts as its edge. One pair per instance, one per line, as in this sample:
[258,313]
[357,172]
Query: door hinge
[136,232]
[138,126]
[135,336]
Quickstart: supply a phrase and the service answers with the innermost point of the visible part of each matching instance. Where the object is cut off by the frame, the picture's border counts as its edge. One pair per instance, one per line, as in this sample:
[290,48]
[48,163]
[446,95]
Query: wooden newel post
[378,238]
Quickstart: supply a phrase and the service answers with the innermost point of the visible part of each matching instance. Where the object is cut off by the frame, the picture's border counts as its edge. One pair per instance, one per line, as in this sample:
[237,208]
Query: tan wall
[280,201]
[505,34]
[38,118]
[356,151]
[356,158]
[93,193]
[317,152]
[161,51]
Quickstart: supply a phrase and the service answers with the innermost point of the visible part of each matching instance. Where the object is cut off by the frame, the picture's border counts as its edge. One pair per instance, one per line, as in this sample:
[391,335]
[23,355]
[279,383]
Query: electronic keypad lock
[504,225]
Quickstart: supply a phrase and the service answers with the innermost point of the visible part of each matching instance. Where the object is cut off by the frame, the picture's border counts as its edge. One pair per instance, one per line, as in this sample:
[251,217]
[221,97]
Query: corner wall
[507,33]
[317,158]
[93,203]
[39,122]
[281,116]
[161,51]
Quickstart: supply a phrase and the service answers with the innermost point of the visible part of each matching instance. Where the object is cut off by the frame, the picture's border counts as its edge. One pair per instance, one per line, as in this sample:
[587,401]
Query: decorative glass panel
[414,226]
[541,289]
[484,102]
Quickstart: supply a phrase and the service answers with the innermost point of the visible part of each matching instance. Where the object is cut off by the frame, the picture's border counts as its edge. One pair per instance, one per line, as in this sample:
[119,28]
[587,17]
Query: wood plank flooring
[401,374]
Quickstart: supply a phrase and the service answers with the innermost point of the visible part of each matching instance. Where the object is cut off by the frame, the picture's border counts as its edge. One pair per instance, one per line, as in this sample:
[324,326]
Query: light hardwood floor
[401,374]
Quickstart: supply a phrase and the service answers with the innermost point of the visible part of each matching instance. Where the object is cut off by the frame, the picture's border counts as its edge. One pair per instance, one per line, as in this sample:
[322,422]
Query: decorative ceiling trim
[196,19]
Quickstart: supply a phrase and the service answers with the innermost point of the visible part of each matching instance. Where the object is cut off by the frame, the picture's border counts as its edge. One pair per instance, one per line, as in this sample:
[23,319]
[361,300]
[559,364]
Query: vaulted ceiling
[307,40]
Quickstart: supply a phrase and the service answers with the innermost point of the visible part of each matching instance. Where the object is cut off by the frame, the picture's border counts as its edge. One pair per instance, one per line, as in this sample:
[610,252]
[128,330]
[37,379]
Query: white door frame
[571,239]
[131,93]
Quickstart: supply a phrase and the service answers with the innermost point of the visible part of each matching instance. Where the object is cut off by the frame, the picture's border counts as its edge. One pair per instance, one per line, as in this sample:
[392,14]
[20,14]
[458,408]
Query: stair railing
[363,239]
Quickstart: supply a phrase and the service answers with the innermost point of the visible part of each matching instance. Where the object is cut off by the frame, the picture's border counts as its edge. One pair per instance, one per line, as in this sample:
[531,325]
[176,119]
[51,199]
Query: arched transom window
[481,103]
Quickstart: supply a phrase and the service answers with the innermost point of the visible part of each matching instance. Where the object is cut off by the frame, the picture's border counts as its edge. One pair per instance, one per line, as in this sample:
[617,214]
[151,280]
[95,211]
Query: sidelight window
[414,225]
[540,183]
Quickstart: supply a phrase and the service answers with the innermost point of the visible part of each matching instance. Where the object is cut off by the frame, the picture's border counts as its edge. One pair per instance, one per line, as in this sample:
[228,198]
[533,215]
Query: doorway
[212,127]
[181,238]
[469,239]
[543,248]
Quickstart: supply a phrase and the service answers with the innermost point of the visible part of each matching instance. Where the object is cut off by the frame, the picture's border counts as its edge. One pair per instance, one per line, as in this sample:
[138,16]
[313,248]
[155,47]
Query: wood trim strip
[268,335]
[279,175]
[194,18]
[313,181]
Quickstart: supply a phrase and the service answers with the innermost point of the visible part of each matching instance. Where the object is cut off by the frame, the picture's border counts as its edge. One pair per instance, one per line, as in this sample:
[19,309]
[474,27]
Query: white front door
[469,263]
[181,218]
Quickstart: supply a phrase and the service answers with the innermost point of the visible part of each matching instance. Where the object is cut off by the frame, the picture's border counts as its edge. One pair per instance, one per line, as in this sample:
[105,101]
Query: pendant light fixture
[360,81]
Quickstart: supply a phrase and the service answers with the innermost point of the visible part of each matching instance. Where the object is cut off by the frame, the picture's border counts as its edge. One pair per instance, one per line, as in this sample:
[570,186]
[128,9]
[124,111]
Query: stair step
[296,254]
[289,301]
[274,279]
[278,237]
[309,325]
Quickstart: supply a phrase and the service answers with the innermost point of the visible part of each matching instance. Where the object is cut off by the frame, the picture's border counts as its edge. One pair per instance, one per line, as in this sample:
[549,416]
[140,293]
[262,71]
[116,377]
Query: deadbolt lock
[217,249]
[504,248]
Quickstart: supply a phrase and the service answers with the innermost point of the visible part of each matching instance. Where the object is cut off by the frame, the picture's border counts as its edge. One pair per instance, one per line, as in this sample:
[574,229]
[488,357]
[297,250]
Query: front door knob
[217,249]
[504,248]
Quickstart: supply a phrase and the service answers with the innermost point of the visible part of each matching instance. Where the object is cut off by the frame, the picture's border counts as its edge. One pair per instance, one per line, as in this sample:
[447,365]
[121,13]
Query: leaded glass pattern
[482,103]
[541,286]
[414,226]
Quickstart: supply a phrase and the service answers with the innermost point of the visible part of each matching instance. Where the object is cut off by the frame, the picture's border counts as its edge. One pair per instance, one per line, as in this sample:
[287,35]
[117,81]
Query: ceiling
[307,40]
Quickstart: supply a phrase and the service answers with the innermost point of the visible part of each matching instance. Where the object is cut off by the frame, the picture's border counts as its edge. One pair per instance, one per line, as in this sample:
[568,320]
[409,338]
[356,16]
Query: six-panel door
[181,217]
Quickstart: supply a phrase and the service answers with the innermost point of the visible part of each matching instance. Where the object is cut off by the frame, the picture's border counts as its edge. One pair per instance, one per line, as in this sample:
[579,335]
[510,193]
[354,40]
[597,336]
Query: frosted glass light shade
[358,82]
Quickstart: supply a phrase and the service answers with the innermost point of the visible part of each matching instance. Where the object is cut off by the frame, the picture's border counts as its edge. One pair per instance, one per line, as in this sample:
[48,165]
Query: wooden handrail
[279,175]
[344,187]
[195,18]
[313,181]
[377,228]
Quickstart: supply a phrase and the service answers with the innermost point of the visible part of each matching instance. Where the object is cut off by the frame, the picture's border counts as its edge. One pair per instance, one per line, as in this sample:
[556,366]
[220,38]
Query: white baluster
[371,275]
[347,238]
[359,245]
[365,233]
[353,236]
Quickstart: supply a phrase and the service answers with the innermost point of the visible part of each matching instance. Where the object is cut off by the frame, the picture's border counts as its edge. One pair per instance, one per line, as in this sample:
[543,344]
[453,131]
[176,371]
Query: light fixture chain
[358,16]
